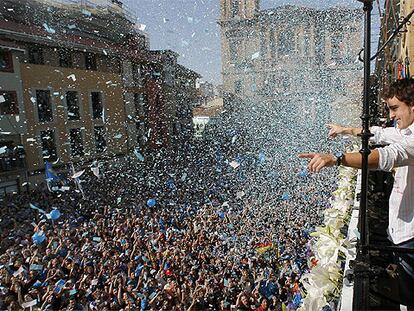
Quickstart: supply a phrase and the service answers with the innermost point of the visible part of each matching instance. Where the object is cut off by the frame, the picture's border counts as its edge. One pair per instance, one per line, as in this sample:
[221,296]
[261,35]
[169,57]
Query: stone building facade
[288,50]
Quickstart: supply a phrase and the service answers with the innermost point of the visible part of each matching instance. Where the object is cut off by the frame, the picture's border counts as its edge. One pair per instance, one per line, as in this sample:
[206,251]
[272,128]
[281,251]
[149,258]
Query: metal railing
[12,162]
[362,263]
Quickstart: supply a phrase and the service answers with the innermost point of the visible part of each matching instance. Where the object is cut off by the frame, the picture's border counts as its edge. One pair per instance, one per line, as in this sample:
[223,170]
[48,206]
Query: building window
[36,55]
[286,83]
[234,7]
[177,129]
[286,42]
[136,72]
[8,103]
[118,2]
[263,44]
[72,104]
[6,61]
[141,133]
[48,145]
[272,44]
[271,84]
[76,142]
[169,78]
[65,58]
[145,71]
[306,43]
[90,61]
[337,84]
[253,85]
[141,105]
[97,107]
[100,141]
[44,106]
[115,65]
[337,46]
[233,47]
[238,87]
[320,47]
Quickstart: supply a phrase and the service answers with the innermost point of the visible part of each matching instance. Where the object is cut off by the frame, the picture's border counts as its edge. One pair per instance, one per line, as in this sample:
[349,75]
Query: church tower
[238,9]
[236,39]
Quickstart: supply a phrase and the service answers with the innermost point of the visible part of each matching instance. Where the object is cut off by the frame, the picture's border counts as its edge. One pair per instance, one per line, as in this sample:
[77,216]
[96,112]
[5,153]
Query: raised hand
[334,130]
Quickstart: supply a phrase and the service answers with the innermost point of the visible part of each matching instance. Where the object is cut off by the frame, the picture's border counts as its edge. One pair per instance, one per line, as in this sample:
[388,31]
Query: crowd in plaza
[224,226]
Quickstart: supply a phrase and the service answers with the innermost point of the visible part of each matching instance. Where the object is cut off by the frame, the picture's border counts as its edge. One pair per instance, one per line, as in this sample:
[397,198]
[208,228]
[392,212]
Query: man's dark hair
[402,89]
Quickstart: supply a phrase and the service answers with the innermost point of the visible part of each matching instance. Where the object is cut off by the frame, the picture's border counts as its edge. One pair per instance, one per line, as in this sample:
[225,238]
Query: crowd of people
[216,236]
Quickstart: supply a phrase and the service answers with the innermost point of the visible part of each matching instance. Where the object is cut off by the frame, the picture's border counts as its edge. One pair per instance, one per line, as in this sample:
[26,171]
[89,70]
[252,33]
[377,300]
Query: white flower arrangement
[323,282]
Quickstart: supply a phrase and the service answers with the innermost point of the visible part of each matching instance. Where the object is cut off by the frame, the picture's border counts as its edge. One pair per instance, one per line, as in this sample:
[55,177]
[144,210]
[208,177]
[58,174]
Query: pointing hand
[318,160]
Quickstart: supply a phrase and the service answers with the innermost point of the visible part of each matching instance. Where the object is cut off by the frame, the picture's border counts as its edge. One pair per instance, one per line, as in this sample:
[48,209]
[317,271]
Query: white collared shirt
[399,154]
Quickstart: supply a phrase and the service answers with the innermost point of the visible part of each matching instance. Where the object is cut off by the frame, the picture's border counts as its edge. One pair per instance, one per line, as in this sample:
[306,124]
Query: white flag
[36,208]
[78,174]
[95,171]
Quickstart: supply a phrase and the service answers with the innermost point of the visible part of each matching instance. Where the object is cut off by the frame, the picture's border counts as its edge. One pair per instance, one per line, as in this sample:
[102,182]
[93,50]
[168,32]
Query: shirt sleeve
[385,136]
[395,155]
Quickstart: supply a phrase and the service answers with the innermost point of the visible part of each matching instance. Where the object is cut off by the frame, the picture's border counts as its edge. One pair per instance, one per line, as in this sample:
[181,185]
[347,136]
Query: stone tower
[238,9]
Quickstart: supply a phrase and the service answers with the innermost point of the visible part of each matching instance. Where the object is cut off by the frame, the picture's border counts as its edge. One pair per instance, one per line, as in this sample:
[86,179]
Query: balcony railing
[12,162]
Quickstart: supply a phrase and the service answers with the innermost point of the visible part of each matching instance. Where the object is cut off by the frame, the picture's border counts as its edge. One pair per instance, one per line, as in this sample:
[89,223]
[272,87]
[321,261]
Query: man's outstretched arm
[335,130]
[321,160]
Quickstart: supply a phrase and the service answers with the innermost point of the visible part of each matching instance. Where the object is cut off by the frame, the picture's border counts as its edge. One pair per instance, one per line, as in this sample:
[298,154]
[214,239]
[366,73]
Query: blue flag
[50,173]
[50,176]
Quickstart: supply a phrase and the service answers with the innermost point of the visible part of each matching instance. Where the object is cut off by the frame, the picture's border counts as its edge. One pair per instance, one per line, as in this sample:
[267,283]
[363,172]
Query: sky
[189,27]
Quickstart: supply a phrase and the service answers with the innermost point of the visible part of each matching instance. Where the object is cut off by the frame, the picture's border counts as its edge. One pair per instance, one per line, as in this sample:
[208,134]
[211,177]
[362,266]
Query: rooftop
[95,6]
[213,108]
[99,19]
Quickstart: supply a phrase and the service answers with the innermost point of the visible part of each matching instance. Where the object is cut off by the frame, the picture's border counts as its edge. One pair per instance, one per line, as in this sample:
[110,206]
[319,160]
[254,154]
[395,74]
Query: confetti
[72,76]
[49,29]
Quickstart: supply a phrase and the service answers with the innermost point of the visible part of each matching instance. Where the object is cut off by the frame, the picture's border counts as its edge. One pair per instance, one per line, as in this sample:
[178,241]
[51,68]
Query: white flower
[324,279]
[315,300]
[342,205]
[334,217]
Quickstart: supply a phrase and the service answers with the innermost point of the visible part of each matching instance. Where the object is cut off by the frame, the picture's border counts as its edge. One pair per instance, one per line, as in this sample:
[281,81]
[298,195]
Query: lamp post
[361,268]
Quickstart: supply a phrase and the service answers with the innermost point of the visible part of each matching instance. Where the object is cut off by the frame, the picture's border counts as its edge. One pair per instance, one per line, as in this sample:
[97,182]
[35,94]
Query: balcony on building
[12,157]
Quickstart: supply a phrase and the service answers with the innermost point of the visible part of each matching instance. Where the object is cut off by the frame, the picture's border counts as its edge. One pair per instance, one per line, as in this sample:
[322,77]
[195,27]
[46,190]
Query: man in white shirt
[399,155]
